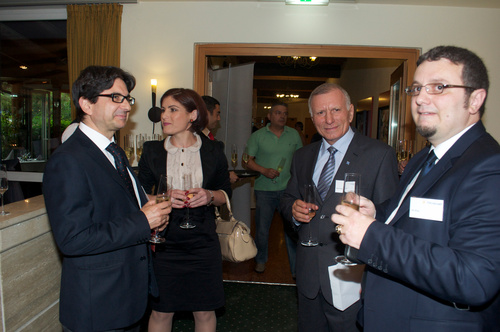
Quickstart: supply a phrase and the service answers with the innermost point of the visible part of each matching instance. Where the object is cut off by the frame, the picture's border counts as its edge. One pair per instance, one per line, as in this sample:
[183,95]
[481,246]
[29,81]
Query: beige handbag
[236,243]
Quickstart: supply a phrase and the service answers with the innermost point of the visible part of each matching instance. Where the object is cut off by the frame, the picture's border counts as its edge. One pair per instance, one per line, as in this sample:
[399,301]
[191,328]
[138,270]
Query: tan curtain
[93,37]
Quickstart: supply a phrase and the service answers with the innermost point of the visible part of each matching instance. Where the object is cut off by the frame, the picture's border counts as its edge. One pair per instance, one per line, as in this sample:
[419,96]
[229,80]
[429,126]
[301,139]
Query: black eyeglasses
[119,98]
[432,88]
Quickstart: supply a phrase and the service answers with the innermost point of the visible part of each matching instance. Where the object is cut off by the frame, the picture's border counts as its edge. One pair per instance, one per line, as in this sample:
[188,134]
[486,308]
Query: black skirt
[188,266]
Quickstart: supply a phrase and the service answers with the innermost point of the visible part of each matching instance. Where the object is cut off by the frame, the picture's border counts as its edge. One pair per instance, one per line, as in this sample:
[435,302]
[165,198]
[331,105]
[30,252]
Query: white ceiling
[452,3]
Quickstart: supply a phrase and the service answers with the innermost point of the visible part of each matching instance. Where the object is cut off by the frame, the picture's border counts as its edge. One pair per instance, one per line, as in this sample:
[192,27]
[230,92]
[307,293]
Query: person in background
[267,148]
[299,126]
[188,266]
[331,112]
[213,107]
[432,250]
[100,218]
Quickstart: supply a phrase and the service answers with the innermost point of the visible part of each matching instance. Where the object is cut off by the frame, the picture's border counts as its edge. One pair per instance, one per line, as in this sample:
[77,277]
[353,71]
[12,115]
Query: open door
[233,87]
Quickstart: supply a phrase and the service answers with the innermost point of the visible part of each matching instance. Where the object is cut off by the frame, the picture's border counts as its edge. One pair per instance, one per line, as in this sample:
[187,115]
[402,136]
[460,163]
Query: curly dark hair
[95,79]
[191,100]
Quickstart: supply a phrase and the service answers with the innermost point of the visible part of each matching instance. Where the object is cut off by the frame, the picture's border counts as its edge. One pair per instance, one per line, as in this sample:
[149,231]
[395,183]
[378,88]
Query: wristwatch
[211,198]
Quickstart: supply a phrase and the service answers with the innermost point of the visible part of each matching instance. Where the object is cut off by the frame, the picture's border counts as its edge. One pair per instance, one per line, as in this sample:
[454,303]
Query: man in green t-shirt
[271,149]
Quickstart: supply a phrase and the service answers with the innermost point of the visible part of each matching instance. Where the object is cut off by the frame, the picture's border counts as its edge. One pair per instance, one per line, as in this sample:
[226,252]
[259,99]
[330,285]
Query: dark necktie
[121,166]
[429,163]
[211,136]
[325,179]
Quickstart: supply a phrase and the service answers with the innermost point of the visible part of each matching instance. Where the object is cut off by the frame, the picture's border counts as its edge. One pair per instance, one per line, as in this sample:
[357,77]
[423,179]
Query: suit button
[143,258]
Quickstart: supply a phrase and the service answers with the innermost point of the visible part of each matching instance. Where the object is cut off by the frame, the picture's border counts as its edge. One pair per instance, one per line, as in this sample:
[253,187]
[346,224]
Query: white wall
[158,37]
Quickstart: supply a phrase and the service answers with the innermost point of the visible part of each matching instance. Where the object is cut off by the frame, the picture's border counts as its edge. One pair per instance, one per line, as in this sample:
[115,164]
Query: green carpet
[251,307]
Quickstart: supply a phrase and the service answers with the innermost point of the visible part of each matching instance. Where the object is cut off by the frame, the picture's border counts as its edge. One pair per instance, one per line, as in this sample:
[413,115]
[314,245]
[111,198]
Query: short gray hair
[326,88]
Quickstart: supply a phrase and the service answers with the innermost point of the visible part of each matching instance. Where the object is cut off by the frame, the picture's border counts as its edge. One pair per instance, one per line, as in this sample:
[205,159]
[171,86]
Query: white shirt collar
[173,149]
[442,148]
[99,139]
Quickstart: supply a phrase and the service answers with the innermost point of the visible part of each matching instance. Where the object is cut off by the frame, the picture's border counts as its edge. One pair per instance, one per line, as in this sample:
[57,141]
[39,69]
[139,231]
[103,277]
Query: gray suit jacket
[377,164]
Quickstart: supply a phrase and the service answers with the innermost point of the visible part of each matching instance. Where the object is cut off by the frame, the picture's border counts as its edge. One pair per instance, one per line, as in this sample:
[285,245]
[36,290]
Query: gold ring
[338,229]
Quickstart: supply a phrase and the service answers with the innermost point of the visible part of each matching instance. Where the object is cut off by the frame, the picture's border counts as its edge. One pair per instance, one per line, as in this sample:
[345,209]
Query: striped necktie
[326,177]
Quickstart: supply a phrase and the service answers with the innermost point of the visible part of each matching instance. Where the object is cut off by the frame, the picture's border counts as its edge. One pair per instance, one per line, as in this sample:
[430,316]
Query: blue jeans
[266,203]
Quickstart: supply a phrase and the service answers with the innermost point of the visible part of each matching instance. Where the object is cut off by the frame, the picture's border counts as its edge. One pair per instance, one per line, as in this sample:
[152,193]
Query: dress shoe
[260,267]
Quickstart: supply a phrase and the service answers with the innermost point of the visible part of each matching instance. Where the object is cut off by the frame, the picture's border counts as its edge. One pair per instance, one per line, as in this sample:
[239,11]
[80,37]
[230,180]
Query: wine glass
[309,197]
[234,156]
[4,186]
[162,195]
[245,156]
[280,167]
[128,147]
[139,142]
[187,183]
[351,198]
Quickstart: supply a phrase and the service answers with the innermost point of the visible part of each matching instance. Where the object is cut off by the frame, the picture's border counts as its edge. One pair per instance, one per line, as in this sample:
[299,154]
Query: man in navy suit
[433,249]
[101,220]
[331,112]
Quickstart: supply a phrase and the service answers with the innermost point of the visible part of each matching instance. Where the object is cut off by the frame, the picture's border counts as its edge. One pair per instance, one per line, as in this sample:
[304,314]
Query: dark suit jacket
[377,164]
[153,163]
[102,235]
[420,267]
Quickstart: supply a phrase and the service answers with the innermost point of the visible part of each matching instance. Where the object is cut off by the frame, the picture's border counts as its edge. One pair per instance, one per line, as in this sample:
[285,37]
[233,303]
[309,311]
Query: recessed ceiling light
[23,67]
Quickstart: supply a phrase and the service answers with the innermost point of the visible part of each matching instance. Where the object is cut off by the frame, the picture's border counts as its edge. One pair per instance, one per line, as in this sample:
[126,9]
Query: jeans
[266,202]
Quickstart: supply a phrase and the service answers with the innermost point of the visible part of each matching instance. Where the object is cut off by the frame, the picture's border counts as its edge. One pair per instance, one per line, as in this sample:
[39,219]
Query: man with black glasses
[433,251]
[99,214]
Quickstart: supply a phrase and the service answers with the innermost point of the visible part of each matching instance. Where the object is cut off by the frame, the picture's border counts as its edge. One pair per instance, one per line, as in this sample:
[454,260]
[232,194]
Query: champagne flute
[187,183]
[351,198]
[280,167]
[4,186]
[162,195]
[128,147]
[309,197]
[234,156]
[139,142]
[245,156]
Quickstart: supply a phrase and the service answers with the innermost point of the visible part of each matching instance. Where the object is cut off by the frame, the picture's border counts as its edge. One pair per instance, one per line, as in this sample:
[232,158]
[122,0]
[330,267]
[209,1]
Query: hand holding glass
[309,197]
[4,186]
[162,195]
[351,198]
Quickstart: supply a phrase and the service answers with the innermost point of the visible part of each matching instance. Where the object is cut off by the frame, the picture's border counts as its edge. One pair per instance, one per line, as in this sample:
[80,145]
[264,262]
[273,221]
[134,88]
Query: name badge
[339,186]
[426,208]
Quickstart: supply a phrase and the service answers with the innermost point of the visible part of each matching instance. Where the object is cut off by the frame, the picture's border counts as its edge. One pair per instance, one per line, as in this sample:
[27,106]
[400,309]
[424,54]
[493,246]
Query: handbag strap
[228,204]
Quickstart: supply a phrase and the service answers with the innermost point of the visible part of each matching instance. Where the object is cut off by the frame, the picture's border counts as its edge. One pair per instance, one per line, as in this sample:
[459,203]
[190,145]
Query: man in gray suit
[332,112]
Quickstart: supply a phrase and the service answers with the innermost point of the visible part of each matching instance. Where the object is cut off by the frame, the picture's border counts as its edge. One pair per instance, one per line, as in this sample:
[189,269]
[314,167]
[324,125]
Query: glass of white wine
[351,198]
[187,183]
[245,156]
[234,156]
[139,142]
[4,186]
[309,197]
[162,195]
[128,147]
[280,167]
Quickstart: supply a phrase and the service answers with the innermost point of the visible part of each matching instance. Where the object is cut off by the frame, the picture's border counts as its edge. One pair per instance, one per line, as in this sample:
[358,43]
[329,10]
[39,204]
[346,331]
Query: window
[34,95]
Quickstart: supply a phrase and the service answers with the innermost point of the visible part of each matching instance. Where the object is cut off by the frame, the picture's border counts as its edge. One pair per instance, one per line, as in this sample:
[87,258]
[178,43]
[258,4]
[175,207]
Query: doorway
[409,57]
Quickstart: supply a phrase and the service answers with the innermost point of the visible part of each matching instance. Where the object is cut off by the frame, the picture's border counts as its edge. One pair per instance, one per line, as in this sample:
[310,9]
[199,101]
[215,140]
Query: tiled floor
[277,267]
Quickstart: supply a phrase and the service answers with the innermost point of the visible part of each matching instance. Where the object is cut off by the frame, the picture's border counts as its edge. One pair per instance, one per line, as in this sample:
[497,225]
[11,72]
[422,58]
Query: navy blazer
[376,162]
[102,235]
[427,275]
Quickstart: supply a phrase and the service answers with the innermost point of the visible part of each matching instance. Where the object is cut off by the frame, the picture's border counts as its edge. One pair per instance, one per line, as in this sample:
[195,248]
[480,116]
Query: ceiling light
[308,2]
[23,67]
